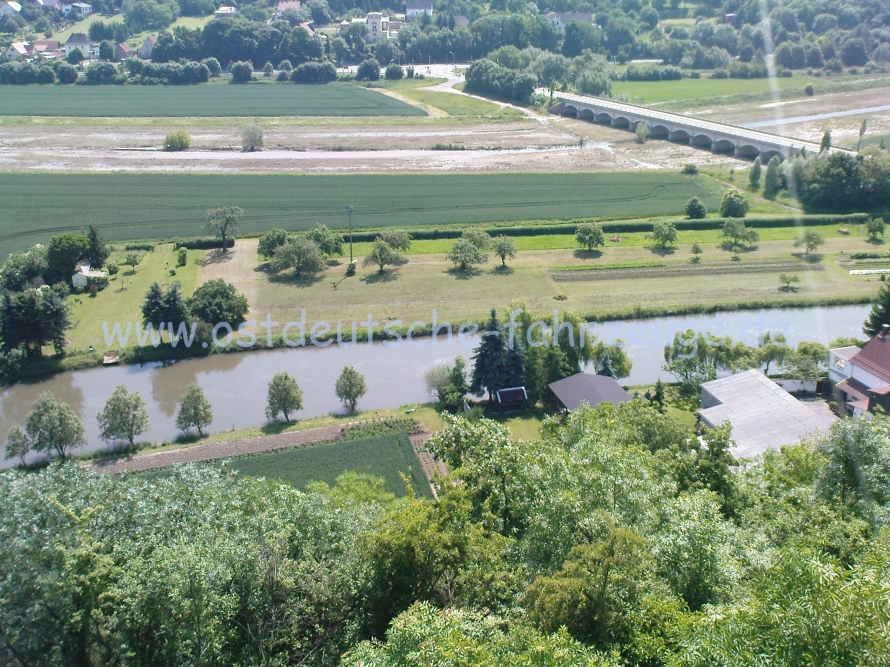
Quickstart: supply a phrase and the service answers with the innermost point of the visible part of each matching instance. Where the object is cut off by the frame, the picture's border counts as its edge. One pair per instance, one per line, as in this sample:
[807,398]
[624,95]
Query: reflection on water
[235,384]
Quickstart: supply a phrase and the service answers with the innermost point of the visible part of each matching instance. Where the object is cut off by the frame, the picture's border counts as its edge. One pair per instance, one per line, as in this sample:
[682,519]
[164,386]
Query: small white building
[9,7]
[378,26]
[224,11]
[83,272]
[417,7]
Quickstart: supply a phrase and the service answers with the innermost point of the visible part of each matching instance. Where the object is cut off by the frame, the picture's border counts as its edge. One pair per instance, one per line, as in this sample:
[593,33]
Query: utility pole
[349,210]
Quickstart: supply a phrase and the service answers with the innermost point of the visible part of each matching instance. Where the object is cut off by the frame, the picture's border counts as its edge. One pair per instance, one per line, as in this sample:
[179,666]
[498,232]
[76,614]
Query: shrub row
[200,243]
[388,426]
[627,227]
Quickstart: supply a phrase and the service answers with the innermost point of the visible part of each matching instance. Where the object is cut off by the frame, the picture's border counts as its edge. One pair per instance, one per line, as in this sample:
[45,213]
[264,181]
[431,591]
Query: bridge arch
[701,140]
[585,114]
[570,110]
[602,117]
[659,131]
[680,135]
[724,146]
[747,150]
[768,155]
[621,121]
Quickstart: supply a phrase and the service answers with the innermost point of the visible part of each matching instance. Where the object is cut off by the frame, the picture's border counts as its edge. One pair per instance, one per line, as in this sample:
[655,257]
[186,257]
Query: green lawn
[84,26]
[190,22]
[201,100]
[460,105]
[662,91]
[121,301]
[388,457]
[139,206]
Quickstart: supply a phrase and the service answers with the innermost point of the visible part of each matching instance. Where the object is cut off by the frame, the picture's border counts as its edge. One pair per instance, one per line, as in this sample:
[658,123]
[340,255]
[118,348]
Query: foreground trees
[124,416]
[616,539]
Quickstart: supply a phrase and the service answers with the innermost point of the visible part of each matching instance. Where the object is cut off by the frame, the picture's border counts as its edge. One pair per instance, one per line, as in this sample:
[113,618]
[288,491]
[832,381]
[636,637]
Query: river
[235,384]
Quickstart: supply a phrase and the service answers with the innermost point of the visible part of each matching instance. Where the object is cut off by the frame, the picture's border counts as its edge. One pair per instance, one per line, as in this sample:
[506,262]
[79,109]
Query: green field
[145,206]
[388,457]
[200,100]
[653,92]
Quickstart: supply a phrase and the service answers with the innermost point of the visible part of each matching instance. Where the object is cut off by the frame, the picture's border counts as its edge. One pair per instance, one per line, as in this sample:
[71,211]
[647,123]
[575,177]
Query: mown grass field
[145,206]
[388,457]
[459,105]
[200,100]
[653,92]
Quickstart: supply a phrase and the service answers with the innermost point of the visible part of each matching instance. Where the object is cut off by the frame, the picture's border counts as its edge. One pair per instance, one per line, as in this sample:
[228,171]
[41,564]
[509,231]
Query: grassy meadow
[388,457]
[653,92]
[146,205]
[201,100]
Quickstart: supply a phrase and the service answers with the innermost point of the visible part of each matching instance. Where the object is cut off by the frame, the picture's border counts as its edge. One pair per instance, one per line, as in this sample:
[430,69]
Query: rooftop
[875,356]
[591,389]
[847,353]
[762,414]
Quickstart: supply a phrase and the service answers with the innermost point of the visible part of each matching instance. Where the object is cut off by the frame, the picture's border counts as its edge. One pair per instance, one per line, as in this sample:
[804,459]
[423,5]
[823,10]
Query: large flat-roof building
[762,414]
[590,389]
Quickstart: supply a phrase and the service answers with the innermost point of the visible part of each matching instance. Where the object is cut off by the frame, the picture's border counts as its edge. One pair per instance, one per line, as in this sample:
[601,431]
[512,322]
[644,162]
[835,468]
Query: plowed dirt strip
[670,271]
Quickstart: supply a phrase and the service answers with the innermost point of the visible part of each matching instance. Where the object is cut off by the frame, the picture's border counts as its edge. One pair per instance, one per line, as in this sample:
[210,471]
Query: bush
[282,76]
[66,74]
[486,77]
[268,70]
[46,76]
[314,73]
[285,66]
[241,71]
[394,72]
[369,70]
[734,205]
[178,140]
[695,209]
[212,65]
[252,138]
[809,90]
[689,170]
[182,257]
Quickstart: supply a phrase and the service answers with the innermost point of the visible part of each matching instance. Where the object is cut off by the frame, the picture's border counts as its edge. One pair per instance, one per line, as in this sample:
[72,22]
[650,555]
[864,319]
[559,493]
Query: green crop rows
[388,457]
[200,100]
[147,206]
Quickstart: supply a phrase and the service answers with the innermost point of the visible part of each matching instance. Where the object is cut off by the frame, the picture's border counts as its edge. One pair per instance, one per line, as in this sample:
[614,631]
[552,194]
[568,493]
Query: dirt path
[240,262]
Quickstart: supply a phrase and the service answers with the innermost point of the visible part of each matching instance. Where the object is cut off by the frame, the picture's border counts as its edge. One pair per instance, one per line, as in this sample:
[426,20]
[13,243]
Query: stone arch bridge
[717,137]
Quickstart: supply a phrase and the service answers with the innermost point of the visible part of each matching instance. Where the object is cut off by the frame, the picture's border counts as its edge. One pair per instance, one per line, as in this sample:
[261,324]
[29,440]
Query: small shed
[591,389]
[512,399]
[83,272]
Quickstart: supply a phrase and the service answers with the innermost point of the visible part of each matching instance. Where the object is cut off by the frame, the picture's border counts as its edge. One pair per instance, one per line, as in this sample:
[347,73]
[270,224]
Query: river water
[235,384]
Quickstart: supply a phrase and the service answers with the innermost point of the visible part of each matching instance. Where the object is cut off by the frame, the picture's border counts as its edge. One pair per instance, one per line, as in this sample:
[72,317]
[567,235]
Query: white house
[80,41]
[861,377]
[147,47]
[19,51]
[224,11]
[417,7]
[378,26]
[9,7]
[78,9]
[83,273]
[48,5]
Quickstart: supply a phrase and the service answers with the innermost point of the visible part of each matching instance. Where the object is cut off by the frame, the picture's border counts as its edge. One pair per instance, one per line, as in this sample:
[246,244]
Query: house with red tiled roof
[861,377]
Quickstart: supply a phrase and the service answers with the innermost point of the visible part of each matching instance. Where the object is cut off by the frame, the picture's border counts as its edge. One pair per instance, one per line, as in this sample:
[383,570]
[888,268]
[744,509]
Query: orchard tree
[464,254]
[736,233]
[809,240]
[664,233]
[874,227]
[350,387]
[300,255]
[478,237]
[590,235]
[285,396]
[329,242]
[504,248]
[252,138]
[270,242]
[381,255]
[194,410]
[224,223]
[124,416]
[53,427]
[696,252]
